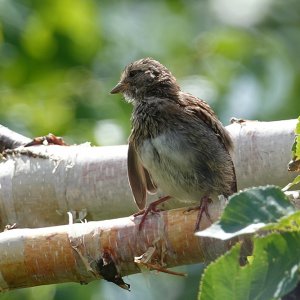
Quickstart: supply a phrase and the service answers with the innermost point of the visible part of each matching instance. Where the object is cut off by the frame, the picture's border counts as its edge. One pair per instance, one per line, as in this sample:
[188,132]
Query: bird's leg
[150,208]
[203,208]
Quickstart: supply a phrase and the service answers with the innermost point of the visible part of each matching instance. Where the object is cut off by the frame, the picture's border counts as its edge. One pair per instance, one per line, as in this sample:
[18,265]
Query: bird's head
[146,78]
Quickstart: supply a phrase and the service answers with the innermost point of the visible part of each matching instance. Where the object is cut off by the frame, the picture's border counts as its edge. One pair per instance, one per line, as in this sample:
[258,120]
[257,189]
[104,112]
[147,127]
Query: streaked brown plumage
[177,142]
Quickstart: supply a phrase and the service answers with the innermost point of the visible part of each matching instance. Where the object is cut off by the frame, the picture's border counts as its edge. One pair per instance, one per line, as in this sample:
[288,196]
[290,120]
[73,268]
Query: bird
[176,144]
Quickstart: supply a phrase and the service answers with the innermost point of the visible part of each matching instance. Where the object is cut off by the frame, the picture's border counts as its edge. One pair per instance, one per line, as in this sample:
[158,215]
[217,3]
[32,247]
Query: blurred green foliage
[60,58]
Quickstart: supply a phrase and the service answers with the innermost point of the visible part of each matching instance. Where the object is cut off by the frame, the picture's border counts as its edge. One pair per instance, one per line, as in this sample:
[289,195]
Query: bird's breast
[169,164]
[162,150]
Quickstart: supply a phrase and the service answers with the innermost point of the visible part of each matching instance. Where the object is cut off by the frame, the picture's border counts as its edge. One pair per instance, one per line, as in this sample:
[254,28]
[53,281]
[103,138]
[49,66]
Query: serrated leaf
[289,223]
[273,272]
[248,211]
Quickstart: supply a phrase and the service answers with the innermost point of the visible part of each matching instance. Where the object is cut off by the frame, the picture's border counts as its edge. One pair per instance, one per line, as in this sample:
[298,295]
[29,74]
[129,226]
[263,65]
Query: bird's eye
[132,73]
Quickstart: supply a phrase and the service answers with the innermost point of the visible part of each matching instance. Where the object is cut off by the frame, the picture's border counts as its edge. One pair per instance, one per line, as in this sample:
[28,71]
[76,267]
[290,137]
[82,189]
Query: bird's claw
[151,208]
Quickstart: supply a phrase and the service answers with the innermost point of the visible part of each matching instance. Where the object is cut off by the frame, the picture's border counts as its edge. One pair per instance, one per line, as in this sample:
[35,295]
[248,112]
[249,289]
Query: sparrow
[177,143]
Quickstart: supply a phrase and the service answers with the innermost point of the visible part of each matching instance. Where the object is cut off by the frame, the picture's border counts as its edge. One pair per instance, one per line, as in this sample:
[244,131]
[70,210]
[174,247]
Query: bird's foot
[151,208]
[203,208]
[49,139]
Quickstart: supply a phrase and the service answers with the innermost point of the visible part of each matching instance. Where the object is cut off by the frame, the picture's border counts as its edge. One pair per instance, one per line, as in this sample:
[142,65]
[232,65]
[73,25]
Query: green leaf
[248,211]
[297,153]
[295,181]
[290,223]
[295,162]
[297,130]
[296,146]
[273,272]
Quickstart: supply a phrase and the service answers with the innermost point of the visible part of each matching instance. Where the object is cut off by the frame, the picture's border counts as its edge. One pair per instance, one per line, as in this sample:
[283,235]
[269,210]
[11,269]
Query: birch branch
[40,184]
[30,257]
[70,253]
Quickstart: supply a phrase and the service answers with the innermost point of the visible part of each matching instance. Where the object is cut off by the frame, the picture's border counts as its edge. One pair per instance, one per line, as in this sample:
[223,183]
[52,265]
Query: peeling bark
[69,253]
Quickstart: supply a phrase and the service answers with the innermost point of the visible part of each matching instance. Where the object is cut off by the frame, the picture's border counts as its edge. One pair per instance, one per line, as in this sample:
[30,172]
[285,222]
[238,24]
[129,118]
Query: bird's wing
[202,110]
[151,186]
[139,178]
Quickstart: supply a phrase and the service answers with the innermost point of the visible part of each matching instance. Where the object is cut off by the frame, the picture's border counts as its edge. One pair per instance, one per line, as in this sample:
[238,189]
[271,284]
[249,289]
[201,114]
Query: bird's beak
[119,88]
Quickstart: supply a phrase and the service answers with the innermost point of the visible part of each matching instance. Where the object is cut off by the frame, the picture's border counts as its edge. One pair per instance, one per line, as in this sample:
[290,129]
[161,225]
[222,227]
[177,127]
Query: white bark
[40,184]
